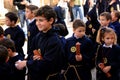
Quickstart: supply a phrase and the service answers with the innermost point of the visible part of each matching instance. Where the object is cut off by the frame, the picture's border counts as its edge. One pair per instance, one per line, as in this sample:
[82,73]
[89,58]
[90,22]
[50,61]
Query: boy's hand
[37,57]
[20,64]
[106,69]
[78,57]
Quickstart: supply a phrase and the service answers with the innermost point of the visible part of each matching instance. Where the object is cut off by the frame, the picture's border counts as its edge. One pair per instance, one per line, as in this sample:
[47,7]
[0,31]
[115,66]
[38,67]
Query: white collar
[30,21]
[110,46]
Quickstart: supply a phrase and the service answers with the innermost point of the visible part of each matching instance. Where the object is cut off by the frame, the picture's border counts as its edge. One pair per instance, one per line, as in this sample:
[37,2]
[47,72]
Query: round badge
[90,26]
[73,49]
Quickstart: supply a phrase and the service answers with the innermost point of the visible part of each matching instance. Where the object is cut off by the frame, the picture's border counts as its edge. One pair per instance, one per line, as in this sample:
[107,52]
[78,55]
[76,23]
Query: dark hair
[107,15]
[1,31]
[47,12]
[78,23]
[3,54]
[32,8]
[8,43]
[61,29]
[12,16]
[117,14]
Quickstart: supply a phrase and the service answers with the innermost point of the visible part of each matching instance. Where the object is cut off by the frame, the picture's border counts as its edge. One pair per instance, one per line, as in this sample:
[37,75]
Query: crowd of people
[50,55]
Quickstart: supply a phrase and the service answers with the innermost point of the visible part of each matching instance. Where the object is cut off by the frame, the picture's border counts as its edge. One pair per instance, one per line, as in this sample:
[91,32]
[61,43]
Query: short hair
[107,15]
[3,54]
[47,12]
[1,31]
[60,28]
[117,14]
[12,16]
[78,23]
[8,43]
[32,8]
[101,34]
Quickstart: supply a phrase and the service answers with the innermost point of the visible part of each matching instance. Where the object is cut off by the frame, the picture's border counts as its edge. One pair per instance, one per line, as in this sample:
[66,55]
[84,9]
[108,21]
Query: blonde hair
[101,35]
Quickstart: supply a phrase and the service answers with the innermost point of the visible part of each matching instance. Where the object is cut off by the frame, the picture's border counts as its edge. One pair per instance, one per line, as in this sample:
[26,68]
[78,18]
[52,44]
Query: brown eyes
[41,20]
[82,31]
[110,38]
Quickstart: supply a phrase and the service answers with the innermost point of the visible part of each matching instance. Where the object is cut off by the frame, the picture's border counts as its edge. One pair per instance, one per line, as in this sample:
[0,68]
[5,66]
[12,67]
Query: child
[80,59]
[105,20]
[14,32]
[115,22]
[32,28]
[47,44]
[5,71]
[13,57]
[1,33]
[108,57]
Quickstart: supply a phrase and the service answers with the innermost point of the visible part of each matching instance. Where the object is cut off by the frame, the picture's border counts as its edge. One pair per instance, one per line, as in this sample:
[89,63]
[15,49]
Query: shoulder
[7,29]
[116,47]
[85,38]
[70,38]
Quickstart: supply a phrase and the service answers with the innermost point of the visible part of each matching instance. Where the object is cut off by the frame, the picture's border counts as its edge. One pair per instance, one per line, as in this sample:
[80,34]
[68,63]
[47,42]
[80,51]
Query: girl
[107,60]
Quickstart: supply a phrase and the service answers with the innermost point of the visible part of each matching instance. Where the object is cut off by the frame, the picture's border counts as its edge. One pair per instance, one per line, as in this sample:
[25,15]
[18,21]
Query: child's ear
[9,50]
[73,30]
[13,22]
[51,20]
[102,39]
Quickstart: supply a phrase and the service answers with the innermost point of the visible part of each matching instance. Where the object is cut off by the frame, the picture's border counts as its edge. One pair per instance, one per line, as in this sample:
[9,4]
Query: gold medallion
[9,36]
[90,26]
[73,49]
[105,60]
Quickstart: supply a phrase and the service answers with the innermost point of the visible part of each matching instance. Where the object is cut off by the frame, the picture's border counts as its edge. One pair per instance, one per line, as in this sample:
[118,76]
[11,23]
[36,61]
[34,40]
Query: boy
[32,28]
[115,22]
[47,44]
[5,71]
[13,57]
[105,20]
[79,52]
[14,32]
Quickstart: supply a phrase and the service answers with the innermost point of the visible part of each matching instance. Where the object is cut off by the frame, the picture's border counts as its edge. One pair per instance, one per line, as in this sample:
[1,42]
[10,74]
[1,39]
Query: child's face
[114,18]
[79,32]
[28,14]
[104,21]
[43,24]
[8,22]
[109,38]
